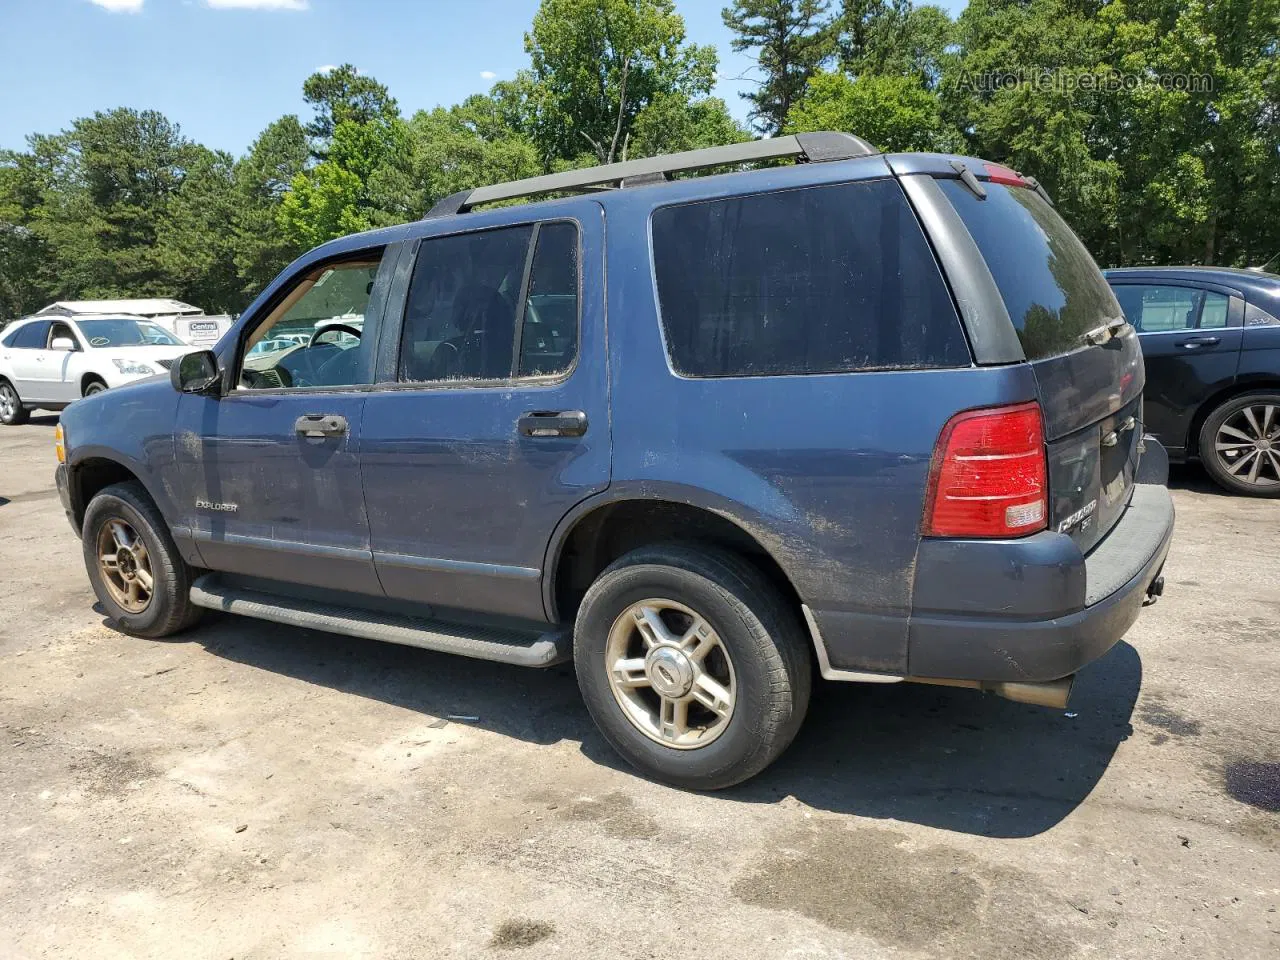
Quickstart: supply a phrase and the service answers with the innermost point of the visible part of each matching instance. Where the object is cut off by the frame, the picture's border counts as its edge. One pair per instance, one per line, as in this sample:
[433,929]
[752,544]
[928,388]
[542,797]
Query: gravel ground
[249,790]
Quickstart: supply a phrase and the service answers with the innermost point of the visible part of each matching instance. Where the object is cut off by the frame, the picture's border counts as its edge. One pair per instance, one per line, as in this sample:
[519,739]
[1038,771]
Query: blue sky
[224,69]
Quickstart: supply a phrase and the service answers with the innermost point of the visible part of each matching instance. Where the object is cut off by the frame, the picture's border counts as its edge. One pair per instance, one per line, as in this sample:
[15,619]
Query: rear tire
[729,707]
[122,524]
[12,412]
[1240,444]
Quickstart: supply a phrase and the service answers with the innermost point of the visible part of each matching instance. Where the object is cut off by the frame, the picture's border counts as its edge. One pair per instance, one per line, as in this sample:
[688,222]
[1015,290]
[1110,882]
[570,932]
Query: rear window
[1051,287]
[826,279]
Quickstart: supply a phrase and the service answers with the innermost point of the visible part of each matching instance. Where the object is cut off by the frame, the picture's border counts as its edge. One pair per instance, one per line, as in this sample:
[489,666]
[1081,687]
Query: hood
[152,354]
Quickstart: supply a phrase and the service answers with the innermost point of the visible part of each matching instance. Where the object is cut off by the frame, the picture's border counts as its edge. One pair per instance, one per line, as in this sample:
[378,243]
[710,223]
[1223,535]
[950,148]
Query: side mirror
[195,372]
[65,344]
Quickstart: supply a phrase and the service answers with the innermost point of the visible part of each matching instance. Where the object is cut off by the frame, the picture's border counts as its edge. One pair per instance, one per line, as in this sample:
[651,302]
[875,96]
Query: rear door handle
[1195,343]
[320,425]
[566,423]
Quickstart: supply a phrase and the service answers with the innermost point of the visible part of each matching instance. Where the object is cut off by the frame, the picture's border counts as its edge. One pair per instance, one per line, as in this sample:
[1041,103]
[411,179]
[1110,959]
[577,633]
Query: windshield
[126,332]
[1053,290]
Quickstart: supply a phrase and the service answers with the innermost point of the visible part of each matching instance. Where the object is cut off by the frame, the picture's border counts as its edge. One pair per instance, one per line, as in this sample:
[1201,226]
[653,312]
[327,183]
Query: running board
[481,642]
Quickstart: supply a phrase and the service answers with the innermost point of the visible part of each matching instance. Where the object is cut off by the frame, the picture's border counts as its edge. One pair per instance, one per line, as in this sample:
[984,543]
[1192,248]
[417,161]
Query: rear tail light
[989,477]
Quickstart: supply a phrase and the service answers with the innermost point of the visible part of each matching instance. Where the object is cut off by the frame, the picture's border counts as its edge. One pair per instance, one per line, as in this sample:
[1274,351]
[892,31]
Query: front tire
[12,412]
[692,665]
[1240,444]
[134,565]
[94,386]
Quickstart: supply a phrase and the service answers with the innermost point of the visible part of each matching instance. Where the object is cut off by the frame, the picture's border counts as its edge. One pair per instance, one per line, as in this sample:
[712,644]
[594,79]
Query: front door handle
[320,425]
[566,423]
[1195,343]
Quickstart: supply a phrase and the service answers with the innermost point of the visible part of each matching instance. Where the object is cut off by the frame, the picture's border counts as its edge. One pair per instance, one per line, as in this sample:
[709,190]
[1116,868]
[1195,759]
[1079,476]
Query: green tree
[195,237]
[345,95]
[891,112]
[111,179]
[791,40]
[262,178]
[596,64]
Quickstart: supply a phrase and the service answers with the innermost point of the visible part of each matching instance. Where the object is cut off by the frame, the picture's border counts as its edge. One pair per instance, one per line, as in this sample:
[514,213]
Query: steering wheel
[306,367]
[340,328]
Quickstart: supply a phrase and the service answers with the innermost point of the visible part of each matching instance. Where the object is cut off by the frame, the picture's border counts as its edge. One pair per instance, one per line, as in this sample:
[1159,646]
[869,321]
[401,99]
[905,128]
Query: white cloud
[487,74]
[119,6]
[255,4]
[327,68]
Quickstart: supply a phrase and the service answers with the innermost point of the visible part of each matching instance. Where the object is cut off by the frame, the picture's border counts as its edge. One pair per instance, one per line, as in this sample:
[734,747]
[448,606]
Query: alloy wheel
[1248,444]
[125,565]
[8,401]
[670,673]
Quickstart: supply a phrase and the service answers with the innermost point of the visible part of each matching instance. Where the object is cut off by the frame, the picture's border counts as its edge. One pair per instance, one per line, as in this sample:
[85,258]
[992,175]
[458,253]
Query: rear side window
[827,279]
[1157,308]
[1051,287]
[478,302]
[33,336]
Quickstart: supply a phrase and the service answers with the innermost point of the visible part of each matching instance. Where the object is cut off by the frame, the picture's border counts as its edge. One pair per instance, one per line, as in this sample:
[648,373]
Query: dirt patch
[1155,712]
[1257,784]
[875,883]
[617,815]
[111,773]
[519,933]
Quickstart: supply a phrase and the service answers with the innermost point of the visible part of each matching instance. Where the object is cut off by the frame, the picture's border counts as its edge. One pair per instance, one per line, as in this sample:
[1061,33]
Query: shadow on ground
[946,758]
[1193,477]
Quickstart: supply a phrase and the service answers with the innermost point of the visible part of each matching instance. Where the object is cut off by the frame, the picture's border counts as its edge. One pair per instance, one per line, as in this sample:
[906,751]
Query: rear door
[1087,362]
[1191,338]
[495,422]
[26,356]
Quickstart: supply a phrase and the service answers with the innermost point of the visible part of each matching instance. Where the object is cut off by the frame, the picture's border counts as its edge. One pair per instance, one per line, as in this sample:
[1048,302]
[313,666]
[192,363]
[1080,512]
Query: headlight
[133,367]
[59,444]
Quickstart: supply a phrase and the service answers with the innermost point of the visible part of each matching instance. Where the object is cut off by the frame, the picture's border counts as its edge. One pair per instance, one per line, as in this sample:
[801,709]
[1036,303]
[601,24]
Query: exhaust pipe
[1050,693]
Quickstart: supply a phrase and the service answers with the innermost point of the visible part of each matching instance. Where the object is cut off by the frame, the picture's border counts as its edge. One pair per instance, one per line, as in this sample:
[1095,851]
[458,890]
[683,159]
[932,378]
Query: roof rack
[804,147]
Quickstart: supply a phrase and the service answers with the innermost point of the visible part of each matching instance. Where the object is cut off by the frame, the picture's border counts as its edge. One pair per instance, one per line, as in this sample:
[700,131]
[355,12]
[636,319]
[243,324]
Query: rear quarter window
[829,279]
[1052,288]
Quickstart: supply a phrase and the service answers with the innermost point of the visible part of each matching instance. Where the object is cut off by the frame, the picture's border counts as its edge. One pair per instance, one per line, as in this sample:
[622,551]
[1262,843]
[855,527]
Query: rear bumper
[1030,610]
[1035,609]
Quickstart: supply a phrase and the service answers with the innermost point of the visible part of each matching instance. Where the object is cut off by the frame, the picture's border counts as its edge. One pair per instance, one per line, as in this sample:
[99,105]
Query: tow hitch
[1155,590]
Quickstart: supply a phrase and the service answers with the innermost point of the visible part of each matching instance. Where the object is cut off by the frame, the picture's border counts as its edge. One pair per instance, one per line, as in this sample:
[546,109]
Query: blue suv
[877,416]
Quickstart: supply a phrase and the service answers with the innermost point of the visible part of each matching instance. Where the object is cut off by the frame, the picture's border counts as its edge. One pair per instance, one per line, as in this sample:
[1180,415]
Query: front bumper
[62,478]
[1035,609]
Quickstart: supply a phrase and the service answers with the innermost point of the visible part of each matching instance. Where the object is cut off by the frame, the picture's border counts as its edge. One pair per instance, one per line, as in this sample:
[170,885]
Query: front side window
[479,309]
[828,279]
[316,335]
[60,331]
[125,332]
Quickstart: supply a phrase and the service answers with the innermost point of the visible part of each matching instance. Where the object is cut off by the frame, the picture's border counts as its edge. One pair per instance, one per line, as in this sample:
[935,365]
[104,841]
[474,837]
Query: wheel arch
[90,474]
[1259,383]
[89,377]
[604,527]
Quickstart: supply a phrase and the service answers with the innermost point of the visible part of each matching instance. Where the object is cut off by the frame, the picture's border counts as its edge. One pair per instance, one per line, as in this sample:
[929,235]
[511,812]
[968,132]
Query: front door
[498,423]
[271,470]
[1191,345]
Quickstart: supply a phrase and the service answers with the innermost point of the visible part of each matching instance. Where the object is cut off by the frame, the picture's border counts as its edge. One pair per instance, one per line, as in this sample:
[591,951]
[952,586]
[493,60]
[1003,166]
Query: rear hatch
[1087,361]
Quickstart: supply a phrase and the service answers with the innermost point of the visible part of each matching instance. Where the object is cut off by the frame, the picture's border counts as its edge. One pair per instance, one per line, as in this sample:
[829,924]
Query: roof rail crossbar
[803,147]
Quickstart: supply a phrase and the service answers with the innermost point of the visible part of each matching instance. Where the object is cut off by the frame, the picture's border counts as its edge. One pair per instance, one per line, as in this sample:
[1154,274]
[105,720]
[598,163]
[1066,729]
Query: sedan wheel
[12,412]
[1240,444]
[1248,445]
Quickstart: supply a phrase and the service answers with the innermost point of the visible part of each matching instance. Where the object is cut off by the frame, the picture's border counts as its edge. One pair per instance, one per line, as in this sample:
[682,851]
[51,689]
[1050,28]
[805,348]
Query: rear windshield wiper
[1105,331]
